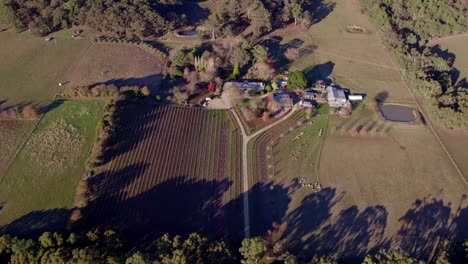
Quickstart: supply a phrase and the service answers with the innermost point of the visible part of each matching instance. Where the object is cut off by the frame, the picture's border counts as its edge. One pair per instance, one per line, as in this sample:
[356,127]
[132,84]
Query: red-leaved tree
[211,87]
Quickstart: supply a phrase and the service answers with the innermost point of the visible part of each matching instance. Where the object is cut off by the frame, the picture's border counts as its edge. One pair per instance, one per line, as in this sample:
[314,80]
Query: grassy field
[31,68]
[175,170]
[47,170]
[117,64]
[12,136]
[355,61]
[388,187]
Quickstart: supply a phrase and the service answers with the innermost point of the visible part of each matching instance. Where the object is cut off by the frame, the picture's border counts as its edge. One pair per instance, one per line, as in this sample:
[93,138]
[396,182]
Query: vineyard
[175,170]
[274,170]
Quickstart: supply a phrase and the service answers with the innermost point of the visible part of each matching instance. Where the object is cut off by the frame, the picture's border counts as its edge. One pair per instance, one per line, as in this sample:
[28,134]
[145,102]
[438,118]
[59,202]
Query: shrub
[29,112]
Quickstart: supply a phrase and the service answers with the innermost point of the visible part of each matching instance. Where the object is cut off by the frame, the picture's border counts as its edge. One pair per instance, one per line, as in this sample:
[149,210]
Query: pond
[189,33]
[397,113]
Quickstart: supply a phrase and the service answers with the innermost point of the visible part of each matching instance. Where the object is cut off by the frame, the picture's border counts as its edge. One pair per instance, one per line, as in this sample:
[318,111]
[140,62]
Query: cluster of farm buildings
[320,93]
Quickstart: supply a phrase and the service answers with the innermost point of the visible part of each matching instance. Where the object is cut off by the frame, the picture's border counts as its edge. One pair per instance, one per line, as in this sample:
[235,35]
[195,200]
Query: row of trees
[263,16]
[407,27]
[106,246]
[130,19]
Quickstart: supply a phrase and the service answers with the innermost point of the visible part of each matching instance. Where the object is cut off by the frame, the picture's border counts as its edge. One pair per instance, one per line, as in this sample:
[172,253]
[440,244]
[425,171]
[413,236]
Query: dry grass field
[392,186]
[356,61]
[457,46]
[120,65]
[39,187]
[174,170]
[31,68]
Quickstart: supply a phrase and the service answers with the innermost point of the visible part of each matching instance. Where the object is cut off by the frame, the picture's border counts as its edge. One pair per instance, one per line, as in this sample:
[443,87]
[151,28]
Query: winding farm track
[245,177]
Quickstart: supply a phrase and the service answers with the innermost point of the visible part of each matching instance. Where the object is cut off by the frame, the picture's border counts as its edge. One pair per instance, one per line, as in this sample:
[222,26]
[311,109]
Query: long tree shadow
[320,72]
[35,223]
[151,81]
[319,10]
[178,205]
[427,224]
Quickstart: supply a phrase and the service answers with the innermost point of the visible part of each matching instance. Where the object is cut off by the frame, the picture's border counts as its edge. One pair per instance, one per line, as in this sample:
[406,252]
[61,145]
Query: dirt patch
[119,65]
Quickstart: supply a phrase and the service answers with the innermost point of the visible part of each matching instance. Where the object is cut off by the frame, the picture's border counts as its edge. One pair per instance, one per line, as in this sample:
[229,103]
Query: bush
[29,112]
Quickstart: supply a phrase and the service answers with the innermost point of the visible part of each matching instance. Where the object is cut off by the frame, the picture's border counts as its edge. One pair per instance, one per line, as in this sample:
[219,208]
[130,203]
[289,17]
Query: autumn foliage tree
[211,87]
[29,112]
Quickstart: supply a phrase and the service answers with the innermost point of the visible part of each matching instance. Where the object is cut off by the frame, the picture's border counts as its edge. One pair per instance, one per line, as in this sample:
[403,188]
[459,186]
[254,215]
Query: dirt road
[245,177]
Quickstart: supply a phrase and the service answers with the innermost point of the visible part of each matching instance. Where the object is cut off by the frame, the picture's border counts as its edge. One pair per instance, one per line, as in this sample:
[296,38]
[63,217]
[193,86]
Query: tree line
[107,246]
[129,18]
[263,16]
[407,27]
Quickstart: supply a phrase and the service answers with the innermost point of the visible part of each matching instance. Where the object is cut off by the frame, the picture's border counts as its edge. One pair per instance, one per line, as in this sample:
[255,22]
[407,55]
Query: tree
[297,80]
[29,112]
[211,87]
[145,91]
[260,53]
[265,116]
[296,11]
[253,249]
[292,54]
[239,57]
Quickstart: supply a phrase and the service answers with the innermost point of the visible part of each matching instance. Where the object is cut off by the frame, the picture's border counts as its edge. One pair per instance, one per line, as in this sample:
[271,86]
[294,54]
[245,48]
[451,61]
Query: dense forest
[262,16]
[143,18]
[106,246]
[127,18]
[406,27]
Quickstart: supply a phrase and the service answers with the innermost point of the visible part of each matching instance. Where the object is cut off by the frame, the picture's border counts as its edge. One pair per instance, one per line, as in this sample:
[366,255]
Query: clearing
[31,68]
[174,170]
[40,185]
[118,64]
[357,61]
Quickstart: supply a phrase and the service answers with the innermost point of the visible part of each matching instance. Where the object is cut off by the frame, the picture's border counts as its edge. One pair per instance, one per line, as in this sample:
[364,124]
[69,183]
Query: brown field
[31,68]
[174,170]
[116,64]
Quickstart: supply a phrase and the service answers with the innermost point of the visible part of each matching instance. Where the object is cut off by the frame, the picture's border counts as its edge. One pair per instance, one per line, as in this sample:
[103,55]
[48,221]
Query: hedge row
[103,90]
[142,44]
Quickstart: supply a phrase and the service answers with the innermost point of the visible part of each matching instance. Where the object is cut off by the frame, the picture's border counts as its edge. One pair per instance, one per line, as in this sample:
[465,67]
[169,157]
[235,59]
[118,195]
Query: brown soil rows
[135,157]
[192,147]
[200,144]
[180,139]
[117,161]
[155,128]
[170,147]
[155,171]
[185,160]
[141,151]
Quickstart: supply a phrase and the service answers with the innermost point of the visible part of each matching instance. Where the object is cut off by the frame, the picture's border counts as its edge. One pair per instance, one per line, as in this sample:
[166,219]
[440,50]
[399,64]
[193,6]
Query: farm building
[306,104]
[320,84]
[284,99]
[310,95]
[355,97]
[247,85]
[336,97]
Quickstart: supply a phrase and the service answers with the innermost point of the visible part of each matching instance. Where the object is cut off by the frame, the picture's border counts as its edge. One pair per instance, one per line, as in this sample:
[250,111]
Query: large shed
[336,97]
